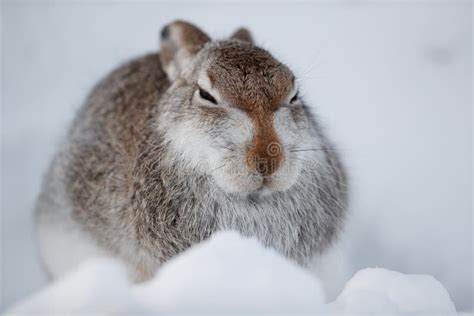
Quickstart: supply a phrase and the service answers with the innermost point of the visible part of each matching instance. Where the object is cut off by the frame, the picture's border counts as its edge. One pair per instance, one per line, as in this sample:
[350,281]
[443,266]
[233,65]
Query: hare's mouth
[265,187]
[253,187]
[237,178]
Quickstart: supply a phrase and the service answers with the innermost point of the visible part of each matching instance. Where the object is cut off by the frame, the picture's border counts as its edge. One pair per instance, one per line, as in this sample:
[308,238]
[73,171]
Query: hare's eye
[207,96]
[294,98]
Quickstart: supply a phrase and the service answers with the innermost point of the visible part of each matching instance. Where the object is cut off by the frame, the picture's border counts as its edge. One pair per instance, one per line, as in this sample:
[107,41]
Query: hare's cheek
[298,116]
[212,116]
[233,177]
[227,126]
[287,129]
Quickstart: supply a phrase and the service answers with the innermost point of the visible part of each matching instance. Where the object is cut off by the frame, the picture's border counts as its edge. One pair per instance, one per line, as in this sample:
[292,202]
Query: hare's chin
[253,185]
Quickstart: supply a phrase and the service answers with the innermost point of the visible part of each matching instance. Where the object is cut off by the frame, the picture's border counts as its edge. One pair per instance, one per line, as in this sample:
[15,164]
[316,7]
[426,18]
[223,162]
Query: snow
[376,290]
[229,273]
[232,274]
[100,285]
[391,80]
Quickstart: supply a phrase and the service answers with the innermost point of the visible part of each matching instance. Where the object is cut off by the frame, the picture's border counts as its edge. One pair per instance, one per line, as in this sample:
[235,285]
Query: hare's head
[232,111]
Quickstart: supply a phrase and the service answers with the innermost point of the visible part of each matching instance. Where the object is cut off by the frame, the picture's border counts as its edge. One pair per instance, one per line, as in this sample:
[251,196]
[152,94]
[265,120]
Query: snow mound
[98,286]
[230,273]
[376,290]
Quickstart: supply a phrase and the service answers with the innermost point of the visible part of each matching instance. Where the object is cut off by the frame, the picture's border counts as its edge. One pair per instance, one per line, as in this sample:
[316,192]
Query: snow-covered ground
[230,274]
[391,80]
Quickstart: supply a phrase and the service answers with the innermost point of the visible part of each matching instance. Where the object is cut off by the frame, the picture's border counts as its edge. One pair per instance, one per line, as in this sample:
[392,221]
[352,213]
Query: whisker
[299,159]
[333,180]
[222,166]
[226,147]
[312,149]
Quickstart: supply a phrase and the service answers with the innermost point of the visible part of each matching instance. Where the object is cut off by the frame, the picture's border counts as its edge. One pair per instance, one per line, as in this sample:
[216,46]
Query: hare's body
[129,180]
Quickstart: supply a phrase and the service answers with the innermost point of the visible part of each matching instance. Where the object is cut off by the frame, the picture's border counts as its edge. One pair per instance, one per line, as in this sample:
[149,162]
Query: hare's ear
[180,42]
[242,34]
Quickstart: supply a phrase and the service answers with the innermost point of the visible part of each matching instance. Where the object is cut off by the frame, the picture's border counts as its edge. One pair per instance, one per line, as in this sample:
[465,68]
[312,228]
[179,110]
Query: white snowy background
[391,80]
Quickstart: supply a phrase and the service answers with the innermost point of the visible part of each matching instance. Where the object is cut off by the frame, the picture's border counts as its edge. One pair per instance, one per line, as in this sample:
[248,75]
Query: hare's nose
[264,157]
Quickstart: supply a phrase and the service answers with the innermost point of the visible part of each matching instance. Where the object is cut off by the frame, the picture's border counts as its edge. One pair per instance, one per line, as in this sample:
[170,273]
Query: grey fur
[117,177]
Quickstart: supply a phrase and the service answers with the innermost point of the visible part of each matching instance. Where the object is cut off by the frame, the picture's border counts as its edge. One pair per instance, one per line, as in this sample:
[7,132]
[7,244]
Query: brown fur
[242,34]
[180,35]
[253,81]
[121,108]
[190,36]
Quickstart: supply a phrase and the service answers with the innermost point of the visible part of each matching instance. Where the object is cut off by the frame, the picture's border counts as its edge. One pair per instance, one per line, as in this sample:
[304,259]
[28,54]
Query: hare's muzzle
[264,157]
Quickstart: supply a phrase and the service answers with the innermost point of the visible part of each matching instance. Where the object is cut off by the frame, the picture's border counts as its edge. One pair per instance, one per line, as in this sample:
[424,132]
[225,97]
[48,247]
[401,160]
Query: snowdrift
[232,274]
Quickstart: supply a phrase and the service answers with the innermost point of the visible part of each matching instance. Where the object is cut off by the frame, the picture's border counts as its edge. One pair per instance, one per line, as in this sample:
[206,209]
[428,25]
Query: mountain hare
[173,146]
